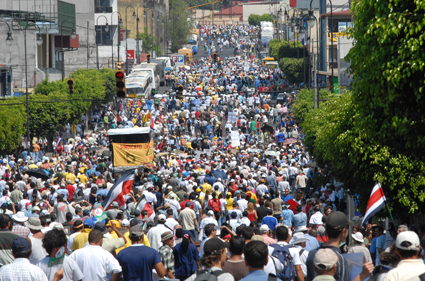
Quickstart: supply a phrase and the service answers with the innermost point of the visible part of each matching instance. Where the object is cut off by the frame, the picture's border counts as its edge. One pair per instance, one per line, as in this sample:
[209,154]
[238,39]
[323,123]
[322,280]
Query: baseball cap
[125,222]
[88,222]
[162,218]
[325,259]
[358,236]
[214,245]
[114,204]
[101,226]
[338,220]
[136,231]
[264,228]
[407,240]
[21,244]
[188,204]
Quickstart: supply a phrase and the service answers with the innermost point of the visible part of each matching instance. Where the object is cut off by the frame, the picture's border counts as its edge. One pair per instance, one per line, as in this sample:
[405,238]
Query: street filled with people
[231,194]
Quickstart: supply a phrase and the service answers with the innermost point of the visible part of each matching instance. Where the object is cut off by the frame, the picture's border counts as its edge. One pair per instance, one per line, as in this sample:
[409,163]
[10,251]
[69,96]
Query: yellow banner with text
[132,154]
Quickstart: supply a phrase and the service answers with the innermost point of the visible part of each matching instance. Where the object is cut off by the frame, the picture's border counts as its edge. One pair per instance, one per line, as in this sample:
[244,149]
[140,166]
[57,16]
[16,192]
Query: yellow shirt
[80,239]
[128,244]
[83,179]
[71,177]
[253,196]
[206,186]
[32,166]
[229,203]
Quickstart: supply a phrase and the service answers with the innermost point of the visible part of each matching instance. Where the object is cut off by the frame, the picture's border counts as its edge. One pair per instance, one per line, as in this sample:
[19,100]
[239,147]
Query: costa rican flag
[376,203]
[116,193]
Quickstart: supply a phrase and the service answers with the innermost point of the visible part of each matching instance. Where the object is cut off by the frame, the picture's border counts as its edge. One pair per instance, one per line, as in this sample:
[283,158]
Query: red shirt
[183,204]
[215,205]
[71,191]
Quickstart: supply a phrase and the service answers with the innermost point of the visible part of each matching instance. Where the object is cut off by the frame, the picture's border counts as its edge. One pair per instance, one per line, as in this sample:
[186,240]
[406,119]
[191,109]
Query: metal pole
[137,38]
[88,45]
[152,32]
[47,52]
[63,54]
[332,50]
[315,82]
[119,41]
[126,46]
[26,92]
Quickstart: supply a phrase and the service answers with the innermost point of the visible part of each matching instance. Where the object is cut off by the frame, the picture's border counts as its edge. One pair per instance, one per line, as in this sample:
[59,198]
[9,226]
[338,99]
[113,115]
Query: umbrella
[183,155]
[267,128]
[106,153]
[94,148]
[255,150]
[161,154]
[66,135]
[271,153]
[158,96]
[38,173]
[290,140]
[219,174]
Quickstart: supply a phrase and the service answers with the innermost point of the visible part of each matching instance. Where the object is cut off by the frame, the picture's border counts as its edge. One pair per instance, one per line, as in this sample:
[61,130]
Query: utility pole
[88,45]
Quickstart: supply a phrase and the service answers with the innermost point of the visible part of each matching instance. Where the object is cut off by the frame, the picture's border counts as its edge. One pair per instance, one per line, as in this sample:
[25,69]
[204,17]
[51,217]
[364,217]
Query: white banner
[231,118]
[234,136]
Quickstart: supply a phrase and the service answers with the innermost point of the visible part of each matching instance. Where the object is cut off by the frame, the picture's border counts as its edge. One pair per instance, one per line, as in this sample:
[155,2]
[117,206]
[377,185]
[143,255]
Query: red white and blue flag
[116,193]
[376,203]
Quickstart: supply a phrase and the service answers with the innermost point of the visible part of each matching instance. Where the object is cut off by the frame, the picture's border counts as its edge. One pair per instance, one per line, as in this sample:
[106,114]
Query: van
[151,68]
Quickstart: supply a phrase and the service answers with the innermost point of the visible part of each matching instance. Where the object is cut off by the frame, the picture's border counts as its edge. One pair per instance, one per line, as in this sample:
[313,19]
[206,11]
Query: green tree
[293,69]
[304,103]
[179,26]
[388,64]
[333,137]
[266,17]
[13,120]
[146,38]
[254,19]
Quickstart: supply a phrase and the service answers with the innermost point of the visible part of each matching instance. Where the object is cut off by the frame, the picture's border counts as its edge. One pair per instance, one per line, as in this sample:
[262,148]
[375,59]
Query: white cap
[264,228]
[407,240]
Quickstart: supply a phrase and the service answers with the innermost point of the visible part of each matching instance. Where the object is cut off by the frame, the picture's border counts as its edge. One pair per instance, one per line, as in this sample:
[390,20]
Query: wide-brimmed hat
[299,238]
[33,223]
[20,217]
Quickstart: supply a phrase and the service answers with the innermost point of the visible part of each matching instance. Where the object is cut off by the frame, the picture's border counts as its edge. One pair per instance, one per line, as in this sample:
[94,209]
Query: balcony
[103,9]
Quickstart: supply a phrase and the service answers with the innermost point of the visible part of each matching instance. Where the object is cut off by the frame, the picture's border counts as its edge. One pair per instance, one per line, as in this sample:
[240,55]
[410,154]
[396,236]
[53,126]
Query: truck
[266,35]
[192,43]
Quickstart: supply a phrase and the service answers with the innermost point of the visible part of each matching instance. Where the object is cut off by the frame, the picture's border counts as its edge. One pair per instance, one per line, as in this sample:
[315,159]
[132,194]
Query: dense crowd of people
[232,194]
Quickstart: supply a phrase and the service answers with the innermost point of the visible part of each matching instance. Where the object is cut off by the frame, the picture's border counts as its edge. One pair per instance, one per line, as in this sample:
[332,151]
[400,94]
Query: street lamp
[9,39]
[73,36]
[101,37]
[126,29]
[119,36]
[332,43]
[157,35]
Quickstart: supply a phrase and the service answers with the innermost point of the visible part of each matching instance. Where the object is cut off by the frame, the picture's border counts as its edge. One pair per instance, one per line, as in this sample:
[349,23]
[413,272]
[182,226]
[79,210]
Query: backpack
[284,256]
[214,205]
[207,275]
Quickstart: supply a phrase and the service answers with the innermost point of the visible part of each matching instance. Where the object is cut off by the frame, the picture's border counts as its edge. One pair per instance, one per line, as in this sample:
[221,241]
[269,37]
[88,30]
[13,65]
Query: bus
[266,59]
[153,70]
[188,53]
[271,64]
[138,84]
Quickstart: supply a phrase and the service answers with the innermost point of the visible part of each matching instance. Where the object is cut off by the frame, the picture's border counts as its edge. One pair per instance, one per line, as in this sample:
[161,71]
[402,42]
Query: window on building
[103,37]
[102,6]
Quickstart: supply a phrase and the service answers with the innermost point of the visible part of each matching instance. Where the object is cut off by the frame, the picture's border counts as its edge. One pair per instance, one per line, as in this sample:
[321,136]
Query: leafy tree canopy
[254,19]
[388,64]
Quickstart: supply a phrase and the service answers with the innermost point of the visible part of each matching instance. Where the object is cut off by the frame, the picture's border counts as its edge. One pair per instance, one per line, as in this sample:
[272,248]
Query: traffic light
[70,85]
[149,58]
[180,92]
[120,83]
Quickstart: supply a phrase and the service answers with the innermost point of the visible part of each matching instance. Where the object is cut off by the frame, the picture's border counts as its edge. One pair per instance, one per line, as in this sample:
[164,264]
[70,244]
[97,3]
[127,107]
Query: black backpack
[208,275]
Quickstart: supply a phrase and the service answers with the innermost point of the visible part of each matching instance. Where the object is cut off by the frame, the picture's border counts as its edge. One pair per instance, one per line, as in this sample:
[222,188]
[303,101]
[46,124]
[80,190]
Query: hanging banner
[132,154]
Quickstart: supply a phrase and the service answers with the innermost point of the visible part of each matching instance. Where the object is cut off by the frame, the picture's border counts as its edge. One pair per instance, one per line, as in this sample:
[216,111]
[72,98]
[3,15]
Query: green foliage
[178,27]
[293,69]
[304,102]
[334,138]
[254,19]
[388,64]
[285,49]
[13,124]
[147,42]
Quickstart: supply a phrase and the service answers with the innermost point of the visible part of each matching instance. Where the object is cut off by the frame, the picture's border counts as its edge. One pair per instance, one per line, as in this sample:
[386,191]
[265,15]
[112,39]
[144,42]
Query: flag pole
[388,208]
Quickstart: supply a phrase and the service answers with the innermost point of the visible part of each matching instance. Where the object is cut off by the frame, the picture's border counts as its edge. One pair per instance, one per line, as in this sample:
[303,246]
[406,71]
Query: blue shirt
[270,221]
[312,244]
[137,262]
[287,215]
[256,275]
[185,263]
[299,219]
